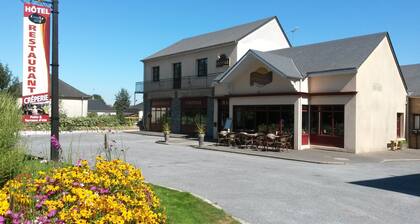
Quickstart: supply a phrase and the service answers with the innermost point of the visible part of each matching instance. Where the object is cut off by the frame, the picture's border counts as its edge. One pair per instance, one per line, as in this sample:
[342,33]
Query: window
[327,120]
[202,67]
[155,72]
[177,69]
[416,120]
[400,120]
[160,111]
[259,117]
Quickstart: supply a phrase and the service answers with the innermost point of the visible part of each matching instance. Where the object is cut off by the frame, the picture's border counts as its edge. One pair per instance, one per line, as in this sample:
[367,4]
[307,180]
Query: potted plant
[402,145]
[201,131]
[166,129]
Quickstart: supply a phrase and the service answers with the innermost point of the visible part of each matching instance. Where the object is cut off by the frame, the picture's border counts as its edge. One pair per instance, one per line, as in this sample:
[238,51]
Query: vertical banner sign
[36,63]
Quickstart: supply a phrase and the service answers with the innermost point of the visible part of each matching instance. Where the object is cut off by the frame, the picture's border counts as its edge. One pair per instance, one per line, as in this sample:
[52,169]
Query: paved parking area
[266,190]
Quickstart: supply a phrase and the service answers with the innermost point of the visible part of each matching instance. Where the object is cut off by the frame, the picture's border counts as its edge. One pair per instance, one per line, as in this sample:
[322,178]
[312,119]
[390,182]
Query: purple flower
[59,222]
[52,213]
[103,191]
[93,188]
[43,220]
[79,163]
[55,143]
[40,204]
[2,220]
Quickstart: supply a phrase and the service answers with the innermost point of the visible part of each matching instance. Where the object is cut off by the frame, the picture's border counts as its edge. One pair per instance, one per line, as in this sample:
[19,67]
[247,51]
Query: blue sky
[101,42]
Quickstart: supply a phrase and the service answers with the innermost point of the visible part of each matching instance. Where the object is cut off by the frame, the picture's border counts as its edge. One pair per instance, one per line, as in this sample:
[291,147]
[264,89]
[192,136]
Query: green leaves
[122,102]
[8,83]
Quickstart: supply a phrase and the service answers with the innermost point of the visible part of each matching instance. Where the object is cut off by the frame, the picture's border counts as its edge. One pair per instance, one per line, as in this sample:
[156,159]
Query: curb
[214,204]
[398,160]
[28,133]
[272,157]
[157,134]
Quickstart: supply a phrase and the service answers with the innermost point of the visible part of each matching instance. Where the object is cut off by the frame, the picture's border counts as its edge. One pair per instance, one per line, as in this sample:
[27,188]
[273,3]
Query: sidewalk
[157,134]
[310,155]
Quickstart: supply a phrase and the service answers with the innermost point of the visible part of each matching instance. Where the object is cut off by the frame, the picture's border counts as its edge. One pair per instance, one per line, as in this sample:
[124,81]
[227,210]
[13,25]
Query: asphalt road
[265,190]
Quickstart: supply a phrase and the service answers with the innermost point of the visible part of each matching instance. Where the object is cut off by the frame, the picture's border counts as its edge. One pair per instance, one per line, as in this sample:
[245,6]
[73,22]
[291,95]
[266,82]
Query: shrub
[112,192]
[10,121]
[82,123]
[11,156]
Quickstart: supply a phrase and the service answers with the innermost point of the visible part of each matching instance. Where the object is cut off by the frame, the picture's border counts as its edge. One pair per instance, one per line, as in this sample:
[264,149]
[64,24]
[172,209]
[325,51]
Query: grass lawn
[182,207]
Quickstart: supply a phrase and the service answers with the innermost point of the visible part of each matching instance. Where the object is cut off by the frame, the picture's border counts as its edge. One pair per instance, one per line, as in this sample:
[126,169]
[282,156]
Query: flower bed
[111,192]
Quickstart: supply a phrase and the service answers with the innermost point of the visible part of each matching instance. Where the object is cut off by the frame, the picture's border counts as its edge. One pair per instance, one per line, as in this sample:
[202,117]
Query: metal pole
[55,119]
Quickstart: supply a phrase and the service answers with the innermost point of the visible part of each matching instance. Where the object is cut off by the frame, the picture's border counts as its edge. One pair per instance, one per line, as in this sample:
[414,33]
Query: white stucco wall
[268,37]
[74,107]
[381,95]
[332,83]
[189,60]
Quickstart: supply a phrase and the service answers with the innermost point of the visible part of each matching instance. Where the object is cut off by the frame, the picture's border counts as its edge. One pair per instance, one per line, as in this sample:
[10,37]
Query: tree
[122,102]
[98,97]
[8,82]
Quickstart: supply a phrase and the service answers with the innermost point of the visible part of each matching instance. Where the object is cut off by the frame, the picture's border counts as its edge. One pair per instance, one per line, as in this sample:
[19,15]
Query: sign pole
[55,116]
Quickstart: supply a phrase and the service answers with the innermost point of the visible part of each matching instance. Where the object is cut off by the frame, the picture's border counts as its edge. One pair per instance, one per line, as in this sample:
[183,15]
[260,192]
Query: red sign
[36,63]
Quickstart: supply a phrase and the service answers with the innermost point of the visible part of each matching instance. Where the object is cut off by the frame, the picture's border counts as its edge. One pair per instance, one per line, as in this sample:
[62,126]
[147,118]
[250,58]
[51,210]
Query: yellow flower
[111,192]
[4,204]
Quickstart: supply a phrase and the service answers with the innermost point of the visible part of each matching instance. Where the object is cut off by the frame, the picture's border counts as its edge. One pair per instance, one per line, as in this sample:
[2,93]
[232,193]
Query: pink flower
[55,143]
[52,213]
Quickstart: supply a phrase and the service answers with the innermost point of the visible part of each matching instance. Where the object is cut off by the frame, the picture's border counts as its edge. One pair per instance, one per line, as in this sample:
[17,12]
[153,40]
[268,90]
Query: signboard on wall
[36,61]
[261,77]
[222,60]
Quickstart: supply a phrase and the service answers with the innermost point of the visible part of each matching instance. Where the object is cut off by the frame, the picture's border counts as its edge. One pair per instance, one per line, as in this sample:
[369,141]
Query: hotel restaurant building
[346,94]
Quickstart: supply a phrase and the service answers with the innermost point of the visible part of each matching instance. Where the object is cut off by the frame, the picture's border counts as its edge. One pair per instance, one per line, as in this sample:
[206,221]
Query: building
[345,94]
[135,111]
[178,79]
[100,108]
[412,78]
[73,102]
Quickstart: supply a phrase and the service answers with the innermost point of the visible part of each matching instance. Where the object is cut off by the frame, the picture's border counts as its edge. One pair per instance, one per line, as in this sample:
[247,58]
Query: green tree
[8,82]
[98,97]
[122,102]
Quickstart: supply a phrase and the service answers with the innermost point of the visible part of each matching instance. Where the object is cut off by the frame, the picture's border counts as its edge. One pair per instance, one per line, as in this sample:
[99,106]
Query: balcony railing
[139,87]
[187,82]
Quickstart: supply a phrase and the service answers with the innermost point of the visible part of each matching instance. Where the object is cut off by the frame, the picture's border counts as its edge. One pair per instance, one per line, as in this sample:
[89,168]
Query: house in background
[100,108]
[412,78]
[135,111]
[73,102]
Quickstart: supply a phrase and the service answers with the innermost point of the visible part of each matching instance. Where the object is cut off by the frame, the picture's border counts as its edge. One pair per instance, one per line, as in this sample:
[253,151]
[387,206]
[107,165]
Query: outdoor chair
[283,143]
[271,141]
[223,138]
[232,139]
[260,141]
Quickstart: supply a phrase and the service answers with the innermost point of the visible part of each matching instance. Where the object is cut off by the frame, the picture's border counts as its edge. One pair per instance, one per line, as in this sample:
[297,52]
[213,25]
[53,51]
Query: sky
[102,42]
